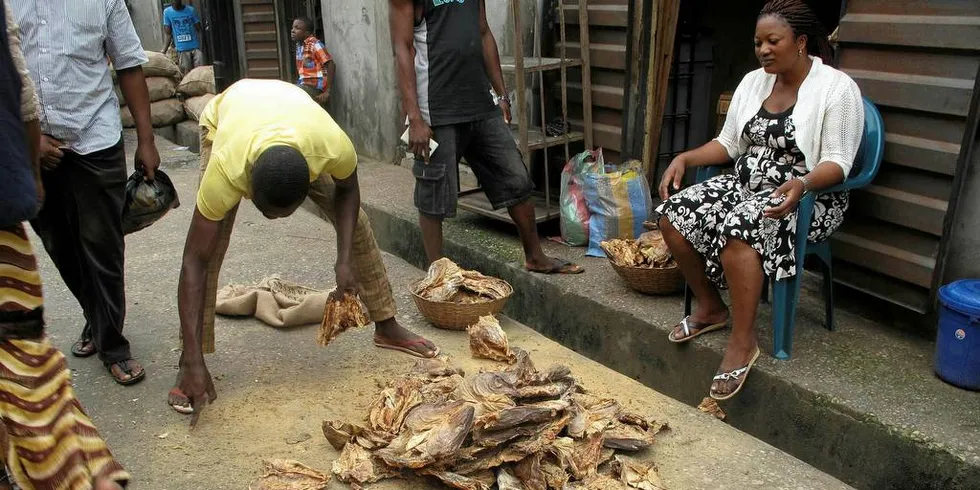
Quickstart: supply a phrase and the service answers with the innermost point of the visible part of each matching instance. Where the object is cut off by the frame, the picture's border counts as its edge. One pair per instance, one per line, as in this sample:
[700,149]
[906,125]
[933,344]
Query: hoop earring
[799,54]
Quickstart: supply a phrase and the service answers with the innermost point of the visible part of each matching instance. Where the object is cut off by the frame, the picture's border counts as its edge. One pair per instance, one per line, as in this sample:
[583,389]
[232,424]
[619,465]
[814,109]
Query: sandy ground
[276,386]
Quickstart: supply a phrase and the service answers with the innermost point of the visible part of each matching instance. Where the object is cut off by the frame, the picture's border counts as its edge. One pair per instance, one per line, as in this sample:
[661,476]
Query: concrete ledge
[861,403]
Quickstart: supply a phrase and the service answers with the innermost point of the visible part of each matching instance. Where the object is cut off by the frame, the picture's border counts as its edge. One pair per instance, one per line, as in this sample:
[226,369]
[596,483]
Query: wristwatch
[505,98]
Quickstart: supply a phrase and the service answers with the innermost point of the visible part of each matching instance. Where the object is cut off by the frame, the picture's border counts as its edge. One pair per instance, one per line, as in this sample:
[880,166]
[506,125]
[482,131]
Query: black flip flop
[78,348]
[559,266]
[124,365]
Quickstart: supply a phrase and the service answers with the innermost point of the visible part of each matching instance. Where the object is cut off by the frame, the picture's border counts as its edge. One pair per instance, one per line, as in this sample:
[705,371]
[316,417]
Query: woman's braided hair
[803,21]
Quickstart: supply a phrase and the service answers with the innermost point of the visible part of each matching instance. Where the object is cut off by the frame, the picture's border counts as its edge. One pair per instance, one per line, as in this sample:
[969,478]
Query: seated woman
[793,126]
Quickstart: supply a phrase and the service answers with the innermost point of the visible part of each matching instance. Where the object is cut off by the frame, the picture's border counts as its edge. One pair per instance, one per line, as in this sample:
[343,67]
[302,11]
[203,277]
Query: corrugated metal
[918,61]
[260,28]
[608,20]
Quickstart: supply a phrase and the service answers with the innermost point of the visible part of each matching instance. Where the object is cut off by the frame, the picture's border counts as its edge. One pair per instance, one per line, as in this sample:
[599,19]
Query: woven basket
[668,280]
[456,316]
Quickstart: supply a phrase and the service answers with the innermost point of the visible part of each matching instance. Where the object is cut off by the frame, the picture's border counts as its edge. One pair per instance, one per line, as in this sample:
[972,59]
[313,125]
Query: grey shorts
[489,150]
[188,60]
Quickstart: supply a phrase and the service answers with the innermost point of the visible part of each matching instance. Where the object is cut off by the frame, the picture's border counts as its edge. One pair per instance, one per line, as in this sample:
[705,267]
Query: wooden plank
[900,207]
[918,92]
[585,52]
[261,36]
[259,17]
[602,95]
[522,116]
[536,140]
[884,258]
[661,58]
[921,153]
[534,64]
[478,203]
[923,31]
[607,136]
[599,15]
[882,286]
[610,56]
[262,54]
[914,7]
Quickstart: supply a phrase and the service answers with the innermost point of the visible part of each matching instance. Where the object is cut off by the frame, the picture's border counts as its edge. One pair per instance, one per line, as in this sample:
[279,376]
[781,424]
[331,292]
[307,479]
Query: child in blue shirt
[182,26]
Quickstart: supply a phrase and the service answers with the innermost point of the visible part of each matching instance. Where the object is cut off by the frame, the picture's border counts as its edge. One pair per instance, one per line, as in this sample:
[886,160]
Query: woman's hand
[673,177]
[792,192]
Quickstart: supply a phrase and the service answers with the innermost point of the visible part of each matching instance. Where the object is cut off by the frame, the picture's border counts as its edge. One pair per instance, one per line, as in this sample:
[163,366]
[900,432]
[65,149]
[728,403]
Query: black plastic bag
[147,202]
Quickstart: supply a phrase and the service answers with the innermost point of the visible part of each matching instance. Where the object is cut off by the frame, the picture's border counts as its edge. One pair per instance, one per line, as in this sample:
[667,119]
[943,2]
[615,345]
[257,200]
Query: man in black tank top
[447,63]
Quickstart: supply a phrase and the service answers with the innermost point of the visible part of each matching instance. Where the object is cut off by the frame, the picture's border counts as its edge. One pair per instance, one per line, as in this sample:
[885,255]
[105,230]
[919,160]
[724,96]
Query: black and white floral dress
[732,205]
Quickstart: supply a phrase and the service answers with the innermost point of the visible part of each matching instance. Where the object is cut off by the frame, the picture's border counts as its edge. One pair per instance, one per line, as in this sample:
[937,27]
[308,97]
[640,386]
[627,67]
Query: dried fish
[649,251]
[488,340]
[445,281]
[709,405]
[341,433]
[461,482]
[358,465]
[579,457]
[628,437]
[388,410]
[553,474]
[597,482]
[530,474]
[550,390]
[436,368]
[635,474]
[523,414]
[439,391]
[432,432]
[339,316]
[507,481]
[291,475]
[488,392]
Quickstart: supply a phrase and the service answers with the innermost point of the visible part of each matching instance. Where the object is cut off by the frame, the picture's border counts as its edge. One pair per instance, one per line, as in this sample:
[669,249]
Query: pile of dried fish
[339,316]
[518,429]
[448,282]
[291,475]
[647,252]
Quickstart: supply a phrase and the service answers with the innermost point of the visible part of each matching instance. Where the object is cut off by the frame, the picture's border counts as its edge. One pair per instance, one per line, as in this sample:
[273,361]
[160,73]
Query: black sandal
[83,348]
[126,368]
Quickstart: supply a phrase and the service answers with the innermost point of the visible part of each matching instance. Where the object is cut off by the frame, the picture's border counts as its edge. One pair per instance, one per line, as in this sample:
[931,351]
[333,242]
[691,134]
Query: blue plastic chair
[786,292]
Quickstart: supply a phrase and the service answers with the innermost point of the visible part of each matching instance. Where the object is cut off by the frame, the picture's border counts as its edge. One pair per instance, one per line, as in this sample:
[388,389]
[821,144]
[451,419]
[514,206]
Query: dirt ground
[275,387]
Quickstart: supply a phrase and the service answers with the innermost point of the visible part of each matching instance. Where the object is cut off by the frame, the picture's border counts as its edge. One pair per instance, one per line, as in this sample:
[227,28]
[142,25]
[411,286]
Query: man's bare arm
[200,246]
[491,56]
[401,20]
[167,37]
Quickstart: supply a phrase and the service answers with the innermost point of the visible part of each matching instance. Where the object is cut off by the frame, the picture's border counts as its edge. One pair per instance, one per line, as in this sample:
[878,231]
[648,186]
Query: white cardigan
[829,115]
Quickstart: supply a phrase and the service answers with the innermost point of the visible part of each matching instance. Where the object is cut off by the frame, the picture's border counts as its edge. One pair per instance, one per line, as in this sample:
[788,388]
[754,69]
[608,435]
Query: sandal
[179,401]
[125,367]
[693,329]
[558,266]
[405,347]
[83,348]
[739,375]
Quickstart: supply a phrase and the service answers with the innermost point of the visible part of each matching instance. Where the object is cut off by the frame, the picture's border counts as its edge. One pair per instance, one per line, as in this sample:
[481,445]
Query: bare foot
[389,334]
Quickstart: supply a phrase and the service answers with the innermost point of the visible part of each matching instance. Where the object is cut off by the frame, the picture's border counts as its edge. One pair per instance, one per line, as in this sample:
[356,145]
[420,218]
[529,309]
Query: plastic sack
[619,202]
[574,210]
[147,202]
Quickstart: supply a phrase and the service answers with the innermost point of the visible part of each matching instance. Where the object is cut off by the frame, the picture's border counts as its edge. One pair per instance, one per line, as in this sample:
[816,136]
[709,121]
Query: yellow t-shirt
[253,115]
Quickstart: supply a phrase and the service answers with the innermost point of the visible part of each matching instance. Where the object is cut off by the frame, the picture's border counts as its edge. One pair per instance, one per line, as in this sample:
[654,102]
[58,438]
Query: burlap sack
[165,112]
[198,81]
[161,88]
[274,301]
[127,118]
[194,106]
[160,65]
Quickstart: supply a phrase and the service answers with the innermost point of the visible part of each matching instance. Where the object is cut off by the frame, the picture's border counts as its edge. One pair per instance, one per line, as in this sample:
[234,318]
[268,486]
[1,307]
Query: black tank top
[453,86]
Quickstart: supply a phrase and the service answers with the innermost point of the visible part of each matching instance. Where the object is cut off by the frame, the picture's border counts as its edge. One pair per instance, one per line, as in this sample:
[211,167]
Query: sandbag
[159,65]
[574,209]
[619,202]
[161,88]
[194,106]
[198,81]
[127,118]
[165,112]
[119,95]
[147,202]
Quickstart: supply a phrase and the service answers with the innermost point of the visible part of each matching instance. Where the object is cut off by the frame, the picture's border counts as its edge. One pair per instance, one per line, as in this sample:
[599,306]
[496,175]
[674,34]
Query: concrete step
[861,403]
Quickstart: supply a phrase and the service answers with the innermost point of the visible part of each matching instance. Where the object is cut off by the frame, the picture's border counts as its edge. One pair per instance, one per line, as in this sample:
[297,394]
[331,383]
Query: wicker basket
[668,280]
[457,316]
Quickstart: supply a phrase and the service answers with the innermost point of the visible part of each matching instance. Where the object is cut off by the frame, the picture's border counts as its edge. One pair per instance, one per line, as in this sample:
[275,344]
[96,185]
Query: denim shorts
[491,152]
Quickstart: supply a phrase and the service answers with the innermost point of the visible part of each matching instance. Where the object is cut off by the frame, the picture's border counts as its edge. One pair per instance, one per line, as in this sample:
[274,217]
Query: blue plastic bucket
[958,338]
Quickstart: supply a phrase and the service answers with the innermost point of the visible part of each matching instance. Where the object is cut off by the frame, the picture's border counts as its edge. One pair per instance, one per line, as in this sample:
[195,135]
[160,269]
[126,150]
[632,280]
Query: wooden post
[661,59]
[585,50]
[521,84]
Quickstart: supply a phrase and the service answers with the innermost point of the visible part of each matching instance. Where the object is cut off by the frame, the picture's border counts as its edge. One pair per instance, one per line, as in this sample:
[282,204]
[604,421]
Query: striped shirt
[311,61]
[67,44]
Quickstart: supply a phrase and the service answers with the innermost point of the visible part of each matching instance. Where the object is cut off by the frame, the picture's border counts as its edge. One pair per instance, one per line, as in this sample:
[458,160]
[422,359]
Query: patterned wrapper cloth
[47,440]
